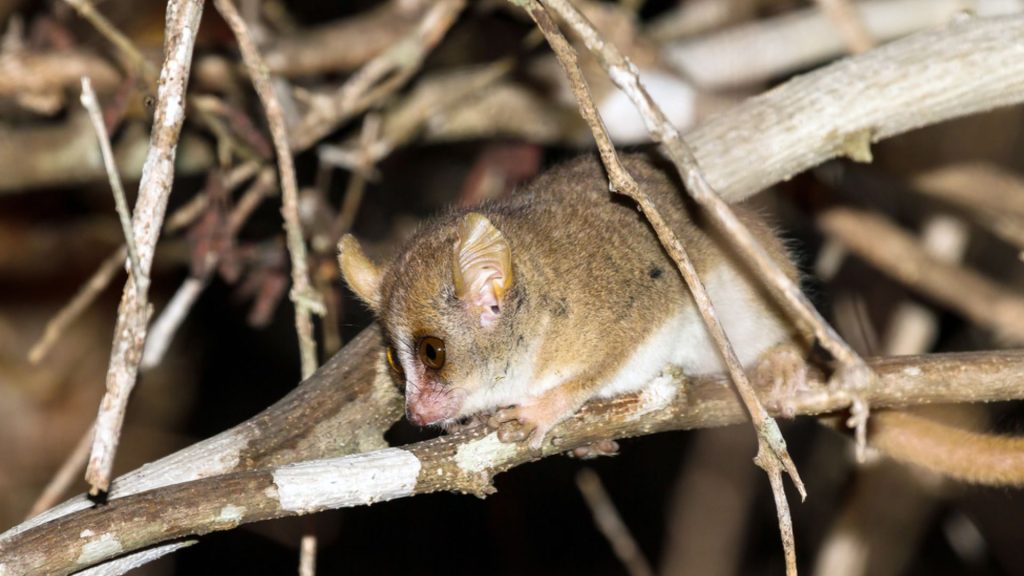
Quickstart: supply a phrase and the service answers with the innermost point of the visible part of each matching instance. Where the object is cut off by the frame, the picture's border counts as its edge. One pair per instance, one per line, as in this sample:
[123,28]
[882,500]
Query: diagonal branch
[305,298]
[772,454]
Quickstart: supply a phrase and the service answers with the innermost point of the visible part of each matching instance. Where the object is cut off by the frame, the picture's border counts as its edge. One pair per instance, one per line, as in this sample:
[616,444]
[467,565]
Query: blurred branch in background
[395,109]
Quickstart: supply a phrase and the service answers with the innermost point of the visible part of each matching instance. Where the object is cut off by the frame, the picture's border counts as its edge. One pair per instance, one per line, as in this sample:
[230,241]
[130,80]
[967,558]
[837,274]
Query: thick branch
[467,461]
[774,47]
[962,69]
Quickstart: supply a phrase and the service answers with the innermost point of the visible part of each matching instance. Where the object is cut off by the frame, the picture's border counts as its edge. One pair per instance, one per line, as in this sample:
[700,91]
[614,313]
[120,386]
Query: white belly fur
[683,340]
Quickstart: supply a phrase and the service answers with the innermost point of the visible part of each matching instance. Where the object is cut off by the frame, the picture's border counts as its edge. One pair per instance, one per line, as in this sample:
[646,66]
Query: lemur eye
[431,351]
[393,362]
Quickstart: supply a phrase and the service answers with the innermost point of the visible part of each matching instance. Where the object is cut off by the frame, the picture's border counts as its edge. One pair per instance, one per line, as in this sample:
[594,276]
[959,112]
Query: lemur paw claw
[519,423]
[783,371]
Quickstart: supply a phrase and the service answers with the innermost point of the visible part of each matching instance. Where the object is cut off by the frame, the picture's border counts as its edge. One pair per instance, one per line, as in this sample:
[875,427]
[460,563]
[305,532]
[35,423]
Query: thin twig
[303,295]
[608,521]
[92,106]
[325,240]
[86,295]
[65,475]
[167,323]
[761,142]
[259,190]
[343,45]
[913,327]
[357,183]
[992,196]
[124,45]
[433,97]
[897,254]
[183,216]
[154,190]
[174,313]
[378,78]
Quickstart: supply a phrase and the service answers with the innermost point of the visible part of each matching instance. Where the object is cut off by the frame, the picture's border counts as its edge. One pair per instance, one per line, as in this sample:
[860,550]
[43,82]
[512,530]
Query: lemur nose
[415,418]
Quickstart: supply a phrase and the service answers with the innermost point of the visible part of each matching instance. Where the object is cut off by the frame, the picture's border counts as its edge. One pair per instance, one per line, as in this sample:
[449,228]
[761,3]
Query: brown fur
[590,278]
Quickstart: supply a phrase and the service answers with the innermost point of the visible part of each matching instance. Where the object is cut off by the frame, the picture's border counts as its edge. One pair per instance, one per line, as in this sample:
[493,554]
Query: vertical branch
[182,23]
[306,300]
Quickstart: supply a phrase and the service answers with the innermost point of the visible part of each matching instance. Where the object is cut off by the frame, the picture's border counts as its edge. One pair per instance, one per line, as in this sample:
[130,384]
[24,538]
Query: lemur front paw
[783,371]
[526,421]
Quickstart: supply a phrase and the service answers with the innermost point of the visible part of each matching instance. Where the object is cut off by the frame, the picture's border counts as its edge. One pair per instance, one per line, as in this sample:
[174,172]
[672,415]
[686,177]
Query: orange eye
[393,362]
[431,351]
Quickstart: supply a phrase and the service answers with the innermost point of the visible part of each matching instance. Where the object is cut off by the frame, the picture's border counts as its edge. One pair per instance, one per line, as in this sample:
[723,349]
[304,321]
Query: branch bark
[964,68]
[344,408]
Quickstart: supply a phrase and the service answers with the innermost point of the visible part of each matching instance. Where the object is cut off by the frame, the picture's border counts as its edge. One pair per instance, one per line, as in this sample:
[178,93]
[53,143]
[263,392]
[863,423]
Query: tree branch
[769,48]
[964,68]
[467,461]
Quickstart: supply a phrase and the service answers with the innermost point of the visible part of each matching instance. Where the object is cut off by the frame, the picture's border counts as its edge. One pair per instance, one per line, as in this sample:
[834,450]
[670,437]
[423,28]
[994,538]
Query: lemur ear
[360,273]
[481,267]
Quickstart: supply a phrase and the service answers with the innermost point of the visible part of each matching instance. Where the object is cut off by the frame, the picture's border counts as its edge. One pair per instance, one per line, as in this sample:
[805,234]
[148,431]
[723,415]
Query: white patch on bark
[347,481]
[658,394]
[231,513]
[912,371]
[482,454]
[103,547]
